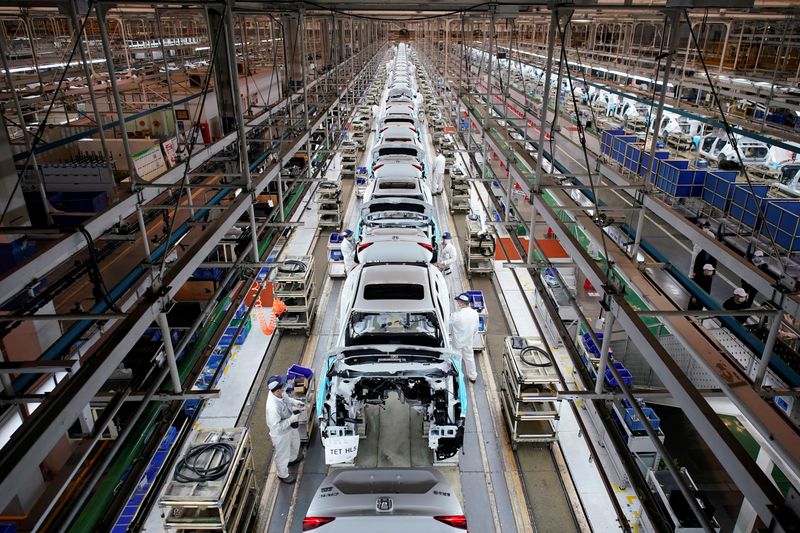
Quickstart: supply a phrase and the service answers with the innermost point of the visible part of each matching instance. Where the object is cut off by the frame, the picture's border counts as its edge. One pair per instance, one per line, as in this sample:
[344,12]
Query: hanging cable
[760,216]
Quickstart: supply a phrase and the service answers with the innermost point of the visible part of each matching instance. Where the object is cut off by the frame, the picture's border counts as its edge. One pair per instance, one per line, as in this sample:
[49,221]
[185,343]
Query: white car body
[398,187]
[379,302]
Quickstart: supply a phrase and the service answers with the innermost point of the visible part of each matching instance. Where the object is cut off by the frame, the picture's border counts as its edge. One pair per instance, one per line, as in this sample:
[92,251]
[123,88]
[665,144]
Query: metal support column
[548,68]
[766,355]
[487,96]
[601,371]
[301,24]
[674,26]
[169,350]
[98,119]
[244,159]
[101,23]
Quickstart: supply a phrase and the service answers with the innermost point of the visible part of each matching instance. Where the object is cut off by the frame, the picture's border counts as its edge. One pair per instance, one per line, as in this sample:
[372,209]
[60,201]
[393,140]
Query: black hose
[486,251]
[292,266]
[189,471]
[539,351]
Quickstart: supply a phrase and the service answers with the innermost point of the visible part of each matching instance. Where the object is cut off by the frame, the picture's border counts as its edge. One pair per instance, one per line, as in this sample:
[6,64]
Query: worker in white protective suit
[375,110]
[437,182]
[283,420]
[447,255]
[348,251]
[464,325]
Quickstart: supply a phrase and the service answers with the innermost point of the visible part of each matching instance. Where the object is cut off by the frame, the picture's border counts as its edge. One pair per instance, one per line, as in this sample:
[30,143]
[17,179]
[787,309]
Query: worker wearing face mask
[348,251]
[283,417]
[464,325]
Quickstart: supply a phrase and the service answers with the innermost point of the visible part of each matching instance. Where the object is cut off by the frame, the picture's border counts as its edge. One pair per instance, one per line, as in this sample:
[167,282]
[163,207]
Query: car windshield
[788,174]
[397,151]
[394,327]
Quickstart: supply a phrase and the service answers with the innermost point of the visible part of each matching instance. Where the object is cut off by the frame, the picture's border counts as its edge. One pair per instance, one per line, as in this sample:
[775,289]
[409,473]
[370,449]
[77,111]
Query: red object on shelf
[587,286]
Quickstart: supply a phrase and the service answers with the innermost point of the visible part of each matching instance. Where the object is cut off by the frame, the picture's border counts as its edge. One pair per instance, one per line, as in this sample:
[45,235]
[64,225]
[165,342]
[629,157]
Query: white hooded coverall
[285,439]
[438,174]
[463,327]
[447,256]
[349,255]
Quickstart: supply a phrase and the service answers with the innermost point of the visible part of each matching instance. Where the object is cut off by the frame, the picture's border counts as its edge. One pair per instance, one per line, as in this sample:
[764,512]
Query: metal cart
[295,287]
[228,504]
[529,391]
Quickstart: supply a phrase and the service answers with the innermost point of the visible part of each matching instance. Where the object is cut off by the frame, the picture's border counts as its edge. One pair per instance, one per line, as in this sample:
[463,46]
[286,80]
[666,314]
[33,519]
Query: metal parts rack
[459,190]
[228,503]
[529,390]
[293,283]
[479,252]
[329,201]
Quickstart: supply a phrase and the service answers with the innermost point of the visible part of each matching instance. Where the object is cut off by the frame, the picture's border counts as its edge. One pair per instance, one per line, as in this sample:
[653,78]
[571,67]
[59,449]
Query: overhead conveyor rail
[775,429]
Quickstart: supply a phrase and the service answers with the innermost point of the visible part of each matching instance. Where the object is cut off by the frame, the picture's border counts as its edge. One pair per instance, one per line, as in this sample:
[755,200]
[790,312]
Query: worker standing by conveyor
[437,185]
[447,259]
[700,257]
[737,302]
[463,327]
[348,251]
[283,420]
[704,281]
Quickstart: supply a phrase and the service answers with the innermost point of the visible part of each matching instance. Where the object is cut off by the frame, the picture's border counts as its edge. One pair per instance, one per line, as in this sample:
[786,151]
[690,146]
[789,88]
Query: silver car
[389,500]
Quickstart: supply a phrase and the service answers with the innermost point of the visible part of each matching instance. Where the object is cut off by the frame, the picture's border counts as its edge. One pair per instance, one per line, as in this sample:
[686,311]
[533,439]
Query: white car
[717,148]
[396,213]
[397,170]
[352,500]
[398,187]
[399,153]
[395,304]
[395,245]
[399,134]
[430,379]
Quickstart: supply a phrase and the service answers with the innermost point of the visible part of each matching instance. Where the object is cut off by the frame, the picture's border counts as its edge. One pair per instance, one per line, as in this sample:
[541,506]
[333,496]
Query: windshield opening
[396,327]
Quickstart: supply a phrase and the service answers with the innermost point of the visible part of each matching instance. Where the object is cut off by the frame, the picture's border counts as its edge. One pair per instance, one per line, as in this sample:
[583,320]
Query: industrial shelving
[459,191]
[479,243]
[529,391]
[228,504]
[330,204]
[349,157]
[294,285]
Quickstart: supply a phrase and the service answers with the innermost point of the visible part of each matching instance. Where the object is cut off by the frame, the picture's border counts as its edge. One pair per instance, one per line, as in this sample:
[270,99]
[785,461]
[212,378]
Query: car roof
[389,274]
[397,186]
[396,168]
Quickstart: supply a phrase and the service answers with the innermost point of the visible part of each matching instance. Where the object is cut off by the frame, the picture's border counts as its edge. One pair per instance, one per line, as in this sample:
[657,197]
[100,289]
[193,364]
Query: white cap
[740,292]
[758,253]
[710,232]
[708,266]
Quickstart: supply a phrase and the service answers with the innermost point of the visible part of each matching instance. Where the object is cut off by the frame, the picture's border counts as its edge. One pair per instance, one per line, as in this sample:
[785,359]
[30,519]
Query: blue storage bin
[782,222]
[297,371]
[476,300]
[335,238]
[337,255]
[635,424]
[482,324]
[626,376]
